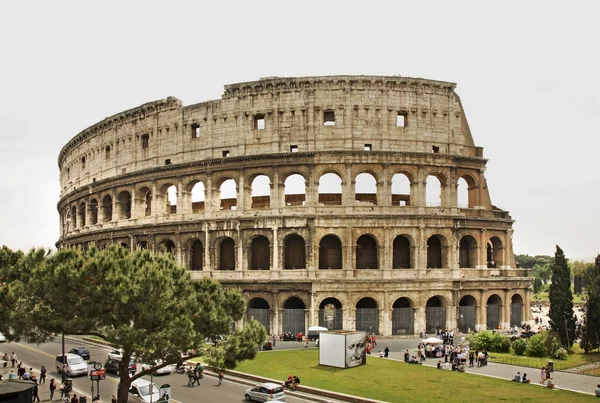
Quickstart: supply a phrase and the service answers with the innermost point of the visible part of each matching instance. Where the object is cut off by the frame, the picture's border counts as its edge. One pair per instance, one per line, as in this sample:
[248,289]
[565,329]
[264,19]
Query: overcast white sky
[528,74]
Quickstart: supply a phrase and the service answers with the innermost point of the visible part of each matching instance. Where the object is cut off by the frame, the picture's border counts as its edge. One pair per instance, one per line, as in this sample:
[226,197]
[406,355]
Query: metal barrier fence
[531,362]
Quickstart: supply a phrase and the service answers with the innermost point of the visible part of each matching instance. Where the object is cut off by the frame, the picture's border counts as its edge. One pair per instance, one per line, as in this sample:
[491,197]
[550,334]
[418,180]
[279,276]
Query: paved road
[37,355]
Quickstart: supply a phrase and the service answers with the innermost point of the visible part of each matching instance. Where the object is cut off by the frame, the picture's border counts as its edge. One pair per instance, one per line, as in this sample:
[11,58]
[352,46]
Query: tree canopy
[138,300]
[562,317]
[590,333]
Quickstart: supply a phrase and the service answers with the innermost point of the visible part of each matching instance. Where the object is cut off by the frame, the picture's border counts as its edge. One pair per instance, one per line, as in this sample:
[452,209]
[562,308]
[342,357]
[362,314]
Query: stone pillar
[386,252]
[275,251]
[276,197]
[421,320]
[115,212]
[209,195]
[239,264]
[482,313]
[348,251]
[184,202]
[207,254]
[483,248]
[422,249]
[505,320]
[133,204]
[384,323]
[348,187]
[241,190]
[311,190]
[451,323]
[154,208]
[384,186]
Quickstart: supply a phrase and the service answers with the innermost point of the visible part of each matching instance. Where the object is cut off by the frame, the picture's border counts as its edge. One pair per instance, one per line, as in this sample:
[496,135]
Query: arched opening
[166,245]
[435,315]
[261,192]
[295,190]
[260,253]
[259,310]
[124,206]
[198,197]
[171,200]
[367,316]
[124,245]
[81,217]
[467,252]
[467,314]
[330,190]
[403,321]
[74,216]
[466,192]
[228,195]
[495,253]
[366,253]
[293,316]
[142,245]
[401,253]
[330,253]
[295,252]
[366,188]
[494,305]
[197,256]
[330,314]
[144,195]
[400,190]
[107,208]
[227,254]
[434,252]
[93,212]
[516,310]
[433,192]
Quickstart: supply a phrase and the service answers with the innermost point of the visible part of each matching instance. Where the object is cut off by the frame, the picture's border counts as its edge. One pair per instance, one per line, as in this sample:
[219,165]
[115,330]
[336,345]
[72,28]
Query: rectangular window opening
[329,118]
[259,122]
[294,149]
[195,130]
[83,163]
[168,161]
[145,140]
[368,147]
[107,151]
[435,149]
[401,119]
[225,153]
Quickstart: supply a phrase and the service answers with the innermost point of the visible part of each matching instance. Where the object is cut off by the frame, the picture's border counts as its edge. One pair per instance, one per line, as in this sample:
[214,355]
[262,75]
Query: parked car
[83,352]
[162,371]
[73,365]
[143,391]
[112,366]
[314,331]
[2,338]
[265,392]
[116,355]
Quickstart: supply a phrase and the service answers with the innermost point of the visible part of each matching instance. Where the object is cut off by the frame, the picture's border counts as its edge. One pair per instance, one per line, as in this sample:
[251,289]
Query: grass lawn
[394,381]
[576,359]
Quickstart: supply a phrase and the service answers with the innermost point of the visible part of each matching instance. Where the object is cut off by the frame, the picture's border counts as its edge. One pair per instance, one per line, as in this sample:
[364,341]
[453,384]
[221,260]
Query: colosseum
[351,202]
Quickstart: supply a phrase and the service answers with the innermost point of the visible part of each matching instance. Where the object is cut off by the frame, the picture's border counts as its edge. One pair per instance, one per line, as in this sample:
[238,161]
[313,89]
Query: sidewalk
[563,380]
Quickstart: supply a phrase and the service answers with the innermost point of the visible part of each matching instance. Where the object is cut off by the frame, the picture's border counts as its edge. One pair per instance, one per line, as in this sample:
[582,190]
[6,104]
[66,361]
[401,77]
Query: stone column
[483,248]
[115,212]
[482,315]
[207,254]
[241,190]
[348,187]
[275,251]
[154,208]
[133,204]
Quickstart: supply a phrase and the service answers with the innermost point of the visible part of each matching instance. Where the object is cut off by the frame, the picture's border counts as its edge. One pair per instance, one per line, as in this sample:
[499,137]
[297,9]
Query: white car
[142,391]
[2,338]
[264,392]
[162,371]
[116,355]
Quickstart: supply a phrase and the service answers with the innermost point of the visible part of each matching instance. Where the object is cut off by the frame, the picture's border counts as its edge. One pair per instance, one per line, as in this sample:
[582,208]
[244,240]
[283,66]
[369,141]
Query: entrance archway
[467,313]
[293,316]
[516,310]
[258,309]
[494,303]
[435,315]
[402,317]
[330,314]
[367,315]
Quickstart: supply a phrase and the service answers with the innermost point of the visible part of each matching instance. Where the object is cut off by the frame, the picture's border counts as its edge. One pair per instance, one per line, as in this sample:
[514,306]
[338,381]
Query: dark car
[83,352]
[113,366]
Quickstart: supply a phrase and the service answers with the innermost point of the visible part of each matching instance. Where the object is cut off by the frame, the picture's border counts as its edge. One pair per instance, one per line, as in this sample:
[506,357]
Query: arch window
[330,253]
[81,216]
[93,212]
[435,315]
[400,190]
[227,254]
[260,254]
[259,310]
[145,195]
[433,192]
[466,192]
[401,253]
[74,216]
[228,195]
[143,245]
[366,188]
[330,314]
[330,190]
[295,252]
[403,321]
[434,253]
[167,246]
[295,190]
[467,252]
[367,316]
[467,313]
[366,253]
[196,256]
[495,253]
[494,306]
[294,316]
[261,192]
[171,200]
[516,311]
[198,197]
[124,205]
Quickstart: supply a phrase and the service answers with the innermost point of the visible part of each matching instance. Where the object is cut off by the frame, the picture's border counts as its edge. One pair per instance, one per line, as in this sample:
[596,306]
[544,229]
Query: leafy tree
[590,333]
[537,285]
[562,317]
[138,300]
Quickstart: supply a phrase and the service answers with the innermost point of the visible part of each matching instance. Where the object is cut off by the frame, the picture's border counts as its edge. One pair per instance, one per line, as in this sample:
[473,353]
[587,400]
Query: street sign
[98,374]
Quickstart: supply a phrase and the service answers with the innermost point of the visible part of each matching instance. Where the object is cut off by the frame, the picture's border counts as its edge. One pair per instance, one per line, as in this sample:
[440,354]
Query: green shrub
[536,346]
[500,343]
[519,346]
[481,340]
[561,354]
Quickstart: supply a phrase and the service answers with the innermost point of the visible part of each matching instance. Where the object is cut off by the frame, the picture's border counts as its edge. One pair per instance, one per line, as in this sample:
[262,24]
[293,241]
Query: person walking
[190,374]
[6,359]
[543,375]
[35,392]
[386,352]
[13,359]
[196,377]
[52,387]
[221,376]
[43,374]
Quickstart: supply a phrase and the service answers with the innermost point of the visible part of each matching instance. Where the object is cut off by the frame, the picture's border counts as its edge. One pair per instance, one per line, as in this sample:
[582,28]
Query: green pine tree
[590,334]
[562,317]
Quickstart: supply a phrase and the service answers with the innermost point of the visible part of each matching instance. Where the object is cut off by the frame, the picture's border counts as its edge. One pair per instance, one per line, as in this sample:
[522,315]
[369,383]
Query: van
[73,365]
[313,332]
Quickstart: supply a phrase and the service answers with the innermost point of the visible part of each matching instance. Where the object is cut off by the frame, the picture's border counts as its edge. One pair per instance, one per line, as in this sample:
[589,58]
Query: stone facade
[333,240]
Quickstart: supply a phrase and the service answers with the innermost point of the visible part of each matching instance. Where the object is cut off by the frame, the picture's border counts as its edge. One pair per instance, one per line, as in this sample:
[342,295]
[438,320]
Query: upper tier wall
[274,115]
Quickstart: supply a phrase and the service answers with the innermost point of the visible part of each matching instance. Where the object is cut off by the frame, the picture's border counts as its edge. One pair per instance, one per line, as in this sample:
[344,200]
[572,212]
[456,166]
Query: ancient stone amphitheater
[354,202]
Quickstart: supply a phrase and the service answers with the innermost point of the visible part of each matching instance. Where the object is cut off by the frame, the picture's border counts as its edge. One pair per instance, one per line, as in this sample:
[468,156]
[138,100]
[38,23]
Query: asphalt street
[44,354]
